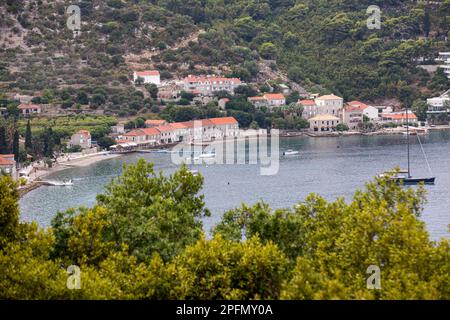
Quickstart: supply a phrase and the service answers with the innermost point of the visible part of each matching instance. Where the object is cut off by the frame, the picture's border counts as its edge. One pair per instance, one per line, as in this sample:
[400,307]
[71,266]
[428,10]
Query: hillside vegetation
[325,46]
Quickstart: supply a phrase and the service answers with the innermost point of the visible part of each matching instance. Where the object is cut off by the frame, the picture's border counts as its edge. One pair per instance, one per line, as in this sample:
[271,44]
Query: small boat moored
[290,152]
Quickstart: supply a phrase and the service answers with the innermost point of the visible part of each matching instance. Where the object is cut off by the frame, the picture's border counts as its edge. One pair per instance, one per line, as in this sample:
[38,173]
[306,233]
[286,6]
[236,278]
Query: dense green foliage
[323,45]
[143,241]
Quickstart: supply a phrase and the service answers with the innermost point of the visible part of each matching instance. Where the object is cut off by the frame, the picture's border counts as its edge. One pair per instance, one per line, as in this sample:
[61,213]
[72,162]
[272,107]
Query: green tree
[9,210]
[28,137]
[342,127]
[3,141]
[15,146]
[153,213]
[152,90]
[105,142]
[268,51]
[223,269]
[420,108]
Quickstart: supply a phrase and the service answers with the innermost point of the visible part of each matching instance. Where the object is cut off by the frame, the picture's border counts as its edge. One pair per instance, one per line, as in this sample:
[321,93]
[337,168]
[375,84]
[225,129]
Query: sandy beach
[38,174]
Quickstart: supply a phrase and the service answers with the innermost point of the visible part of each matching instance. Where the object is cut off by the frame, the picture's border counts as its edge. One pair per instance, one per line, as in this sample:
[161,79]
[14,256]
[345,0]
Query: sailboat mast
[407,139]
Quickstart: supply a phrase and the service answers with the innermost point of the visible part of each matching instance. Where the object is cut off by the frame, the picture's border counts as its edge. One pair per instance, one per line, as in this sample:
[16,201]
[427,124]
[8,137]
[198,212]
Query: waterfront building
[324,123]
[208,85]
[439,109]
[444,58]
[225,127]
[399,118]
[166,134]
[82,138]
[155,123]
[8,165]
[330,104]
[148,76]
[352,116]
[310,108]
[369,111]
[28,109]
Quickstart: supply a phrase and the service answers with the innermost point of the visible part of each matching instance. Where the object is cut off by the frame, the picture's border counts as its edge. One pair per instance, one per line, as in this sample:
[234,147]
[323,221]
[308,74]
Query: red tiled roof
[135,133]
[307,102]
[6,155]
[156,122]
[192,123]
[150,131]
[203,79]
[84,132]
[166,128]
[274,96]
[147,73]
[177,125]
[23,106]
[225,120]
[398,116]
[358,104]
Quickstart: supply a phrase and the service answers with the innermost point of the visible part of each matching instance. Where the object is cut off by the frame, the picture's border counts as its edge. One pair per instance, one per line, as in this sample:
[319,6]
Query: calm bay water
[332,167]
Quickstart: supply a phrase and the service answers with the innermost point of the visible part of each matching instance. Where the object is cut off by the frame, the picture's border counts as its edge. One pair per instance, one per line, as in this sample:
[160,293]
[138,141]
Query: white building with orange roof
[330,104]
[8,165]
[269,100]
[181,131]
[148,76]
[82,138]
[310,108]
[369,111]
[208,85]
[166,134]
[399,118]
[28,109]
[225,127]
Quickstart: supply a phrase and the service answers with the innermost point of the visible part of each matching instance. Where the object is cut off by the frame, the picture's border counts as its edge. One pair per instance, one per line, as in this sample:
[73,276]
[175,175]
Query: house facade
[330,104]
[369,111]
[148,76]
[208,85]
[399,118]
[352,116]
[439,109]
[28,109]
[310,108]
[82,138]
[324,123]
[444,58]
[269,100]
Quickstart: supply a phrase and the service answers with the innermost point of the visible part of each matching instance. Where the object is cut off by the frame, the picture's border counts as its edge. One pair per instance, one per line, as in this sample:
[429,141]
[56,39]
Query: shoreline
[36,178]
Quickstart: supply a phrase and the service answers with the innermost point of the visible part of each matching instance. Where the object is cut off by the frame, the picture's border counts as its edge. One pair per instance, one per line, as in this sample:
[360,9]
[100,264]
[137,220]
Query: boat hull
[415,181]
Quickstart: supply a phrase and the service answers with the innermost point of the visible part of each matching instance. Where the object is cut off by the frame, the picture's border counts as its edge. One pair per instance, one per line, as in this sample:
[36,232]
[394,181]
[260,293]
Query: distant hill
[321,45]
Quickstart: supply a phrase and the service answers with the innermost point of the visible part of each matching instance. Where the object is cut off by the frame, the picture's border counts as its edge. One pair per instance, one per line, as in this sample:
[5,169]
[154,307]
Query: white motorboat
[207,155]
[59,183]
[290,152]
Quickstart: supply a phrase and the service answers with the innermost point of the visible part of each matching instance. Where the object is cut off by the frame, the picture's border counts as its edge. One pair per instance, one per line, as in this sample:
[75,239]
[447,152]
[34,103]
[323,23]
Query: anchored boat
[404,176]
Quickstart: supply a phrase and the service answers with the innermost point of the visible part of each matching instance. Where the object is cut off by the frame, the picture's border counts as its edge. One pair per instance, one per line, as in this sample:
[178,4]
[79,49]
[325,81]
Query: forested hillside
[325,46]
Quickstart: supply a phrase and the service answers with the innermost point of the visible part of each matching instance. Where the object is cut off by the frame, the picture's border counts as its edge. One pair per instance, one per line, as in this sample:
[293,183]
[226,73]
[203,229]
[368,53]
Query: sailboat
[404,176]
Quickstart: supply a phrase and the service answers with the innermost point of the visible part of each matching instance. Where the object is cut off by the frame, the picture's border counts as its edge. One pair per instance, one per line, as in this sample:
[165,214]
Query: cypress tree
[16,145]
[28,143]
[3,142]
